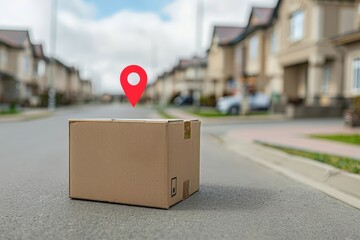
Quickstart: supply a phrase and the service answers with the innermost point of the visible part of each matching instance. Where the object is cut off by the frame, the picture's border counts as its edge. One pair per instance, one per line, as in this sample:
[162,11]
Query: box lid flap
[130,120]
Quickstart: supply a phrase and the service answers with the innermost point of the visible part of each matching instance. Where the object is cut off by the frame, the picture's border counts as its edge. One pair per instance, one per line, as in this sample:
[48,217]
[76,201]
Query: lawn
[208,113]
[344,138]
[344,163]
[8,112]
[214,113]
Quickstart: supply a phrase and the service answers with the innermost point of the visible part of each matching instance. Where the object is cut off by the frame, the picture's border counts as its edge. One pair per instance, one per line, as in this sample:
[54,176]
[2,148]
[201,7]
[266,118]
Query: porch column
[314,76]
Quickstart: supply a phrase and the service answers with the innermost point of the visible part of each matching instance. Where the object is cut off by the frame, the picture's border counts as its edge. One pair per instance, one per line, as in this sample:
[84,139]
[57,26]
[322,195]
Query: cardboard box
[152,163]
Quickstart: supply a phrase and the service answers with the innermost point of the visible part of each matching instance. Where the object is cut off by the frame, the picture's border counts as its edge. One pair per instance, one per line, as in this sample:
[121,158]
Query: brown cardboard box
[152,163]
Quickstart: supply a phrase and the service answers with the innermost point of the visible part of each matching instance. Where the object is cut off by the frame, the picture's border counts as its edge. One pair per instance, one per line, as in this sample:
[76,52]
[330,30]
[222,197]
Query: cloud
[101,48]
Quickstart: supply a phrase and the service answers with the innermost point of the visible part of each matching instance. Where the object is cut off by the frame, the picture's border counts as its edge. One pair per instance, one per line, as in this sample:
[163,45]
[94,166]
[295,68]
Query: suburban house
[189,75]
[220,69]
[183,80]
[39,68]
[285,52]
[8,81]
[74,85]
[150,93]
[304,54]
[25,73]
[348,44]
[86,92]
[62,80]
[249,57]
[17,59]
[168,87]
[311,66]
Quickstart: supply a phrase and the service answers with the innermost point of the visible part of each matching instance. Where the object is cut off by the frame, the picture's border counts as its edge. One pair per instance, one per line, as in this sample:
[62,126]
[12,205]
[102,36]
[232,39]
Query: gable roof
[226,34]
[38,51]
[260,16]
[14,38]
[184,63]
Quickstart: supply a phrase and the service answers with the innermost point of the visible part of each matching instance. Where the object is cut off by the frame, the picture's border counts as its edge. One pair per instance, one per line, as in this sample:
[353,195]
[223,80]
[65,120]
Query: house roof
[60,63]
[226,34]
[184,63]
[38,51]
[260,18]
[14,38]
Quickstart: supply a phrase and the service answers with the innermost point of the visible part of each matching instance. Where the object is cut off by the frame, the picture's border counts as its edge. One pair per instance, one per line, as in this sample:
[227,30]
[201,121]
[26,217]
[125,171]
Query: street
[238,199]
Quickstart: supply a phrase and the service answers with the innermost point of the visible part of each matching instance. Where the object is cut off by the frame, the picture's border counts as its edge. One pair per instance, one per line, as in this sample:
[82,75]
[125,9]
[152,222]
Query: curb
[25,117]
[179,113]
[339,184]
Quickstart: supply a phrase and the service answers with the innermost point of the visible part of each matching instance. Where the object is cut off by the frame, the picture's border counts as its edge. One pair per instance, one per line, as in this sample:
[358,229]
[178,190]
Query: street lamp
[52,91]
[198,40]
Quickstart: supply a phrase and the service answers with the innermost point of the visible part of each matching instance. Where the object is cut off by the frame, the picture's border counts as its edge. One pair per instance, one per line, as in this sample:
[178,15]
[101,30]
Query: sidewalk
[328,179]
[28,114]
[298,137]
[182,114]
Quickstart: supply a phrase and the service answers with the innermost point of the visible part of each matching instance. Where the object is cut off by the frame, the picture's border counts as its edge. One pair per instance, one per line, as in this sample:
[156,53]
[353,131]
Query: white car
[232,104]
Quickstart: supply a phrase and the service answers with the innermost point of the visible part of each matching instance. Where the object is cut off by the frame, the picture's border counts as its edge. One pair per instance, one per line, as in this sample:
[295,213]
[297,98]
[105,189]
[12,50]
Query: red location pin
[133,92]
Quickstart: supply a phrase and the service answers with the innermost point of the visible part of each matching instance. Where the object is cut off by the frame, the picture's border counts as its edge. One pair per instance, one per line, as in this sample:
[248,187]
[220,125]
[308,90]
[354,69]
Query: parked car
[232,104]
[183,100]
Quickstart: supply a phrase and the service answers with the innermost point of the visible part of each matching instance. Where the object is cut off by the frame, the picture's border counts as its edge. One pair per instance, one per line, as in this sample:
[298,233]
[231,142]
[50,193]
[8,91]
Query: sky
[102,37]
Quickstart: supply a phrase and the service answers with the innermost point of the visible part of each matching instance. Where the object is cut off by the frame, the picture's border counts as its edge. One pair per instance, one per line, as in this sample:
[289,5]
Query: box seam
[69,159]
[167,165]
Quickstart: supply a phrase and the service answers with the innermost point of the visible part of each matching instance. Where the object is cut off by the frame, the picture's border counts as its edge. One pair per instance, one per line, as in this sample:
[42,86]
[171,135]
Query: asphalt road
[238,199]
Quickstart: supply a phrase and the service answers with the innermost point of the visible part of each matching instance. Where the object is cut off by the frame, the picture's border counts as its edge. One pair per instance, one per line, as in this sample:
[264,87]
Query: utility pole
[153,58]
[53,25]
[198,40]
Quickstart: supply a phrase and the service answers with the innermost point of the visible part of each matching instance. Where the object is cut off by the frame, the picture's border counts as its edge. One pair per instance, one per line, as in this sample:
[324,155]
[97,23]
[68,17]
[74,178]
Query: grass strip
[344,163]
[344,138]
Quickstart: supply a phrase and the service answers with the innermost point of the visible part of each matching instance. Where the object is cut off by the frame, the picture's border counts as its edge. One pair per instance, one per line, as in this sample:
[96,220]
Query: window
[297,26]
[40,68]
[26,64]
[254,42]
[326,79]
[273,42]
[3,57]
[356,74]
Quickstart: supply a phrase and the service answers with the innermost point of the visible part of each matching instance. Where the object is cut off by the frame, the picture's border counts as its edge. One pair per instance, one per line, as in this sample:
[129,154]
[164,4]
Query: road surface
[238,199]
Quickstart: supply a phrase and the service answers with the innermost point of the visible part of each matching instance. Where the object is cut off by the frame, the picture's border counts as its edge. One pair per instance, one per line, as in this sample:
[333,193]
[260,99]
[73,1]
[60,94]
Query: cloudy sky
[102,37]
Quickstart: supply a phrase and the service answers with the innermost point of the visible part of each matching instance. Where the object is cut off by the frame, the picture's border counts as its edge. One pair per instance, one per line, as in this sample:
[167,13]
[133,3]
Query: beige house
[286,52]
[25,73]
[189,75]
[249,52]
[74,85]
[61,80]
[219,80]
[349,45]
[86,90]
[168,87]
[311,67]
[17,66]
[8,81]
[39,67]
[150,93]
[159,88]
